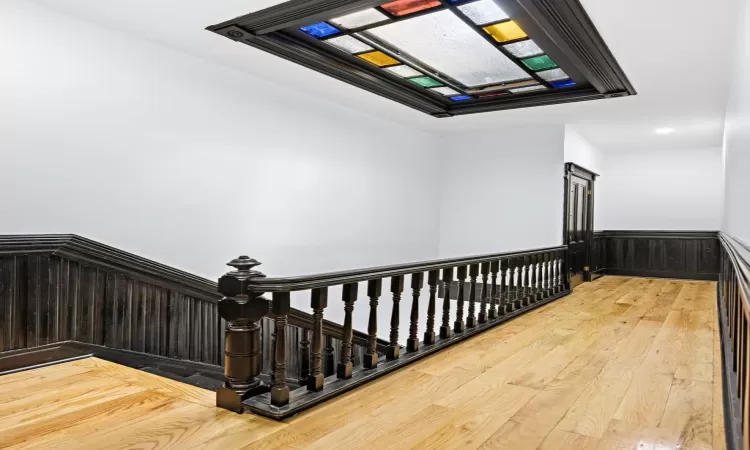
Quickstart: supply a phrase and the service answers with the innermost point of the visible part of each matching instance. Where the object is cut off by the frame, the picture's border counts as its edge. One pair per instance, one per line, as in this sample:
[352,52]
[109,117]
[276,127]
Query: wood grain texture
[608,385]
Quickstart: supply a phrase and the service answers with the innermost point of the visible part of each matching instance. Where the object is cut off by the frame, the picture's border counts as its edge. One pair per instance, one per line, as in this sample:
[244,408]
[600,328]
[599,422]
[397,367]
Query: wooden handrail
[313,281]
[490,289]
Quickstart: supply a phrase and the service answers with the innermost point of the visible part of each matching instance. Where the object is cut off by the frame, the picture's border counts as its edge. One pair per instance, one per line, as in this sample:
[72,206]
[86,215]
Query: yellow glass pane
[380,59]
[506,31]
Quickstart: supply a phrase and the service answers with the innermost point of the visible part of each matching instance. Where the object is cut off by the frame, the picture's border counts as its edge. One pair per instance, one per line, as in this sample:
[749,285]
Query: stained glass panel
[523,49]
[447,44]
[563,84]
[320,29]
[404,7]
[483,12]
[553,75]
[506,31]
[528,89]
[378,58]
[426,82]
[445,90]
[539,63]
[404,71]
[461,98]
[360,18]
[348,44]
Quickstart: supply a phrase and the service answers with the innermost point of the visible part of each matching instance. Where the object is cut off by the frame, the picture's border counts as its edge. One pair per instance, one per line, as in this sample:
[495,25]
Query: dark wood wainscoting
[67,288]
[663,254]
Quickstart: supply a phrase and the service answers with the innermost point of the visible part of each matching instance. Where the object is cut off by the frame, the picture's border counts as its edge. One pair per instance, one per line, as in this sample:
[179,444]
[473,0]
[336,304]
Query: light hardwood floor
[623,363]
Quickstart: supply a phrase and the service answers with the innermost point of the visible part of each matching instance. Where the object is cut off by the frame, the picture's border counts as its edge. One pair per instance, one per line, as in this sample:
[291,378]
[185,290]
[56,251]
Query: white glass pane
[528,89]
[445,91]
[404,71]
[524,49]
[553,75]
[348,44]
[483,12]
[359,19]
[447,44]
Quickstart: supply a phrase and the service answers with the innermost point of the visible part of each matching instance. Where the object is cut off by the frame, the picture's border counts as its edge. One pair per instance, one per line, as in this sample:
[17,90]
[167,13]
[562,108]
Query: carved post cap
[236,282]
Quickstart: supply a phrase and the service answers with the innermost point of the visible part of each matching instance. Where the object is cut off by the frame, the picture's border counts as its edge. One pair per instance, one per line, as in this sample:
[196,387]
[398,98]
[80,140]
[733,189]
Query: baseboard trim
[659,274]
[201,375]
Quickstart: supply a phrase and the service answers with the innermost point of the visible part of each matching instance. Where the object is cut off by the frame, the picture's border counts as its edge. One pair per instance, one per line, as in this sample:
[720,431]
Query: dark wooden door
[579,221]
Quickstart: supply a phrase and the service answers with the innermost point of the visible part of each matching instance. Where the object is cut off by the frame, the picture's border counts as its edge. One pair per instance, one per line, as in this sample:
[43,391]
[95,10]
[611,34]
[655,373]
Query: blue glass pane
[320,30]
[562,83]
[461,98]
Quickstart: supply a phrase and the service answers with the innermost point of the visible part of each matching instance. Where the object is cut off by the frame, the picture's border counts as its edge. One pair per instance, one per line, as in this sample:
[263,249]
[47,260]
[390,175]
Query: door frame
[570,170]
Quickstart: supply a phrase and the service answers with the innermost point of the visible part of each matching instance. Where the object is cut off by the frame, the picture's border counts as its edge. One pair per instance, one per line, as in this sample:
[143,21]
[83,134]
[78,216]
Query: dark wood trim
[733,293]
[562,27]
[306,282]
[32,358]
[579,171]
[692,255]
[301,399]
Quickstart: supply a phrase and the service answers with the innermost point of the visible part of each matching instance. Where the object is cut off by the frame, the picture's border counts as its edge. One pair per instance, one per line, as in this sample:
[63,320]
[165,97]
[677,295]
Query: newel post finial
[242,307]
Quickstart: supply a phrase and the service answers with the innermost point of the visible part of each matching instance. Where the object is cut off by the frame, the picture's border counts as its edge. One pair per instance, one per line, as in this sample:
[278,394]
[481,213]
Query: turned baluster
[374,289]
[330,366]
[547,274]
[280,306]
[521,286]
[445,328]
[537,283]
[555,273]
[458,325]
[432,282]
[417,281]
[494,265]
[397,287]
[484,294]
[304,356]
[318,302]
[502,295]
[471,320]
[531,295]
[526,284]
[344,369]
[242,307]
[510,298]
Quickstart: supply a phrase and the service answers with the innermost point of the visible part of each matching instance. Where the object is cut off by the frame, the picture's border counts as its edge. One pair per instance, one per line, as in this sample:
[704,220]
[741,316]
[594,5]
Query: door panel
[578,226]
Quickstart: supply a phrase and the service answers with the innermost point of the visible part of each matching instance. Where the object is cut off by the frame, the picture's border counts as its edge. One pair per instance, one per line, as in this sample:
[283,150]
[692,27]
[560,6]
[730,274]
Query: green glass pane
[539,63]
[426,82]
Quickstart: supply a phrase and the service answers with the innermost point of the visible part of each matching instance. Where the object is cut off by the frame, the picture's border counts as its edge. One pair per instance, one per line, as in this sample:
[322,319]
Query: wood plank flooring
[622,363]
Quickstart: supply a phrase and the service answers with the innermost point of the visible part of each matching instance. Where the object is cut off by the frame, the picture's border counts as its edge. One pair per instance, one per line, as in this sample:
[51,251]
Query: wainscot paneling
[663,254]
[94,299]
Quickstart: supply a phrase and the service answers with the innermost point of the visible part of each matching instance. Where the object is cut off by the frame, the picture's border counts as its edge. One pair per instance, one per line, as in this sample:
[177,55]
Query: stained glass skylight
[505,31]
[405,7]
[360,19]
[433,54]
[349,44]
[524,49]
[447,44]
[483,12]
[552,75]
[403,71]
[378,58]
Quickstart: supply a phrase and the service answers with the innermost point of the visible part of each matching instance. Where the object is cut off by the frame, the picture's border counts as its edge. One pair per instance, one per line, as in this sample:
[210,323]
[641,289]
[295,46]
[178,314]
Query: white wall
[169,157]
[737,137]
[501,190]
[580,151]
[660,190]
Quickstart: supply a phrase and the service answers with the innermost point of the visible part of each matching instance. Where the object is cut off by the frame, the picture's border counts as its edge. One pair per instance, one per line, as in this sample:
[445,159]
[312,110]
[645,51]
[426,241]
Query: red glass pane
[404,7]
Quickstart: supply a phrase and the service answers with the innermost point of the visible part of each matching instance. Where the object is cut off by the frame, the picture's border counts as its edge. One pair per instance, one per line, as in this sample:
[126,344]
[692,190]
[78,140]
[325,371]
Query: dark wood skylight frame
[560,27]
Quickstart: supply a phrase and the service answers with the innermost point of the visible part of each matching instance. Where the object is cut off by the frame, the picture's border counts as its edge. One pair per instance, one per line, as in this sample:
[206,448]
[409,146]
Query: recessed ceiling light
[664,130]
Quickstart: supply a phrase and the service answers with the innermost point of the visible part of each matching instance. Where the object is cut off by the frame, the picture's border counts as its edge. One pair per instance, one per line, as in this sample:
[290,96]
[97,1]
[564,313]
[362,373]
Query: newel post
[242,307]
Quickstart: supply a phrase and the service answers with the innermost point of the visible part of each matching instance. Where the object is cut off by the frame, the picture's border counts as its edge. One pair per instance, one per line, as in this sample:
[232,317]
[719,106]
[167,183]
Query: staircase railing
[734,325]
[490,289]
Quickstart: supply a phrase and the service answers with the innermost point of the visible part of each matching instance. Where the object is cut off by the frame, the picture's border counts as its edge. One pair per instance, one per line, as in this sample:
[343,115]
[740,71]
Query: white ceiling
[677,54]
